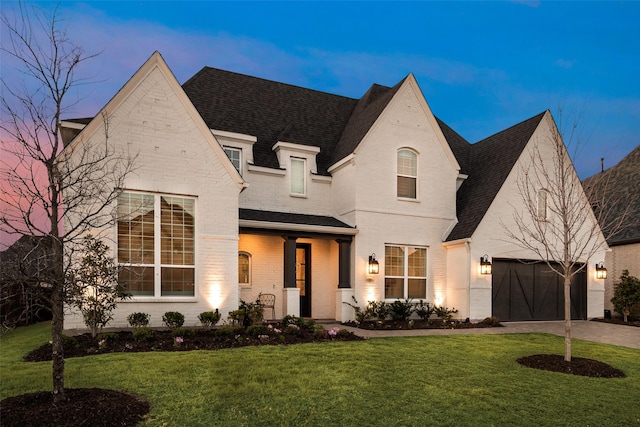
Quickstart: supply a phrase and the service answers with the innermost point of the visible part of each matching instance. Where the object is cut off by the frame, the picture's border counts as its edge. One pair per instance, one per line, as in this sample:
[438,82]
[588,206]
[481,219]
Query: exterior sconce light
[601,272]
[373,267]
[485,264]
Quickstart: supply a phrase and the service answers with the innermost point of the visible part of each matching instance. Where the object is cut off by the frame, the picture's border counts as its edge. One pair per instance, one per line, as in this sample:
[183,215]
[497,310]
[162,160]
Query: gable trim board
[350,209]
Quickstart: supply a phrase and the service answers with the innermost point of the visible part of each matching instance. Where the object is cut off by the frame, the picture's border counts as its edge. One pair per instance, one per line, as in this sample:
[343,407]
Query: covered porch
[304,260]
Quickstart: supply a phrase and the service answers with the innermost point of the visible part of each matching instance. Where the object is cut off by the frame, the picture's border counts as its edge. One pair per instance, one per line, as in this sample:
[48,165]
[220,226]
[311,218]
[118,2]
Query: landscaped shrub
[209,318]
[444,313]
[378,309]
[144,334]
[424,310]
[401,310]
[173,319]
[108,337]
[360,314]
[626,294]
[491,321]
[247,313]
[256,330]
[227,330]
[138,320]
[182,332]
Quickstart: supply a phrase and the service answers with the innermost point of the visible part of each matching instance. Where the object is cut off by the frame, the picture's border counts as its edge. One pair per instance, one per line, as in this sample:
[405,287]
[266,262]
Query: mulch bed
[577,366]
[82,407]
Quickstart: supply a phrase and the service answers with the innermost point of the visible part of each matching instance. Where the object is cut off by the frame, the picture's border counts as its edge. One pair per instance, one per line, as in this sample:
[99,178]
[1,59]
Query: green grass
[457,380]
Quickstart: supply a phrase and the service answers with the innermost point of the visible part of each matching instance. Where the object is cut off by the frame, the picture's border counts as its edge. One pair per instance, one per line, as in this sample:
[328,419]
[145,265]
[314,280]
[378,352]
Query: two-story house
[246,186]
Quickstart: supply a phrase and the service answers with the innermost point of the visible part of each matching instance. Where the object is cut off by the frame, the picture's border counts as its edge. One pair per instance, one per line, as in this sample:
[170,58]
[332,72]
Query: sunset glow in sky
[482,66]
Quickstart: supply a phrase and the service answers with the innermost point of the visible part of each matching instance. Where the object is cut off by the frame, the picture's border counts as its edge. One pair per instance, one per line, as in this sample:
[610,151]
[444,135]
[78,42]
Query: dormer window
[298,175]
[407,182]
[235,155]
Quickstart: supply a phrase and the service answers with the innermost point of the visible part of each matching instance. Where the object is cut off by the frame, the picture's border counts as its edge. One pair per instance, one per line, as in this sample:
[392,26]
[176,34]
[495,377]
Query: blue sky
[482,66]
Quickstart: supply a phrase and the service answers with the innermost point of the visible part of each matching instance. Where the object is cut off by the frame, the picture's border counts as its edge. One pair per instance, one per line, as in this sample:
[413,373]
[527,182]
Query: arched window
[244,268]
[407,173]
[543,196]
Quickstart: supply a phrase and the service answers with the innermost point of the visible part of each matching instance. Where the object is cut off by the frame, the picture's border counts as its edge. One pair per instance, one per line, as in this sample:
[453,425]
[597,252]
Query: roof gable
[621,196]
[155,62]
[489,164]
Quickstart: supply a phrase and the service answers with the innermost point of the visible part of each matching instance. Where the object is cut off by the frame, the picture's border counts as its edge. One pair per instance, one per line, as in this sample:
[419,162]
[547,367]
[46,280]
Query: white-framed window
[244,268]
[405,272]
[156,247]
[298,176]
[543,209]
[235,155]
[407,179]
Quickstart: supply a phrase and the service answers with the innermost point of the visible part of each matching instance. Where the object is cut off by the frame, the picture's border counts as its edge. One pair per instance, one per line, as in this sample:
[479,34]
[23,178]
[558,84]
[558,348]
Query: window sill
[407,199]
[300,196]
[135,299]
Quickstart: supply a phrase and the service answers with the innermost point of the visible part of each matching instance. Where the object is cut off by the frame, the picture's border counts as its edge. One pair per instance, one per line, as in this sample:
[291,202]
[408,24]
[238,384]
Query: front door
[303,277]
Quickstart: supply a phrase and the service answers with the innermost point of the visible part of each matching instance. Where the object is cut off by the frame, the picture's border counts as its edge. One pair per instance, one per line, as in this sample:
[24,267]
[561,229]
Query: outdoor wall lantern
[485,264]
[601,272]
[373,267]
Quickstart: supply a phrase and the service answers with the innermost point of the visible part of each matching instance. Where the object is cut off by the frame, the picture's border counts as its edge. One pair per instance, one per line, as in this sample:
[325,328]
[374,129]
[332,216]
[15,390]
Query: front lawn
[456,380]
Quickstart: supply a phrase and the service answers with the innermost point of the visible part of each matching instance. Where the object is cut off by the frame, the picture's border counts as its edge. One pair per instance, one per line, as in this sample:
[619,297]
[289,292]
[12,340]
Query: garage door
[532,291]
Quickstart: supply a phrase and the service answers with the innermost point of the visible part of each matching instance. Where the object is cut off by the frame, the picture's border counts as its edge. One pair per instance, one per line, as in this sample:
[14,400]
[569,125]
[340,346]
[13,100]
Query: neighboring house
[246,186]
[25,296]
[622,197]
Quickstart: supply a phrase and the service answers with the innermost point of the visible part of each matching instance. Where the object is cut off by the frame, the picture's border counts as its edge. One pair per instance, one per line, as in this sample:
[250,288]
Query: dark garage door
[531,291]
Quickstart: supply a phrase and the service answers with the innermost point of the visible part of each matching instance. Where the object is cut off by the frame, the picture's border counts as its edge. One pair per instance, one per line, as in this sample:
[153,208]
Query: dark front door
[303,277]
[532,291]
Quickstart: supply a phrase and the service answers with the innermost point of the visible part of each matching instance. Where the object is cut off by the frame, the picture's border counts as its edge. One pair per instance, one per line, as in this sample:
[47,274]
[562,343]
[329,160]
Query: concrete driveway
[607,333]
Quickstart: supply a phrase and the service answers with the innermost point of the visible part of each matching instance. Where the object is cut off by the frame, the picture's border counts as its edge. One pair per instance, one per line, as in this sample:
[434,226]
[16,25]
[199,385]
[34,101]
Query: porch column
[344,263]
[344,293]
[291,293]
[289,261]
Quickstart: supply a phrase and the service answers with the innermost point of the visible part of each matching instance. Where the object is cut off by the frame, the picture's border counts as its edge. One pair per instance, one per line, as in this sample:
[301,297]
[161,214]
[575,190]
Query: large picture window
[405,272]
[156,245]
[407,174]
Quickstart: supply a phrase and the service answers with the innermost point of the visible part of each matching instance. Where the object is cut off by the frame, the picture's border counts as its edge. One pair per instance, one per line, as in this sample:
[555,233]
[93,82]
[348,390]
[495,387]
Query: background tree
[93,285]
[626,294]
[35,171]
[557,223]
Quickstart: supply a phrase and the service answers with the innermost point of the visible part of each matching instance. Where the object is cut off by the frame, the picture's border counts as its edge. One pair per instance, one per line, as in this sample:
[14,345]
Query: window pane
[297,176]
[234,156]
[417,262]
[176,230]
[243,268]
[542,204]
[393,287]
[407,163]
[406,187]
[177,281]
[417,288]
[137,280]
[394,261]
[135,228]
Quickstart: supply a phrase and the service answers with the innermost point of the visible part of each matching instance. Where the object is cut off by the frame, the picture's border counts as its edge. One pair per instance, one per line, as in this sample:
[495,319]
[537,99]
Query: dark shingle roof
[461,147]
[290,218]
[621,194]
[365,113]
[490,162]
[271,111]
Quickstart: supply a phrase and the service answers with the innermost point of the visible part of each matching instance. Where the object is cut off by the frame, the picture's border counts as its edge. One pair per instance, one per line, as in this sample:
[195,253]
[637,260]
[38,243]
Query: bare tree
[51,190]
[557,223]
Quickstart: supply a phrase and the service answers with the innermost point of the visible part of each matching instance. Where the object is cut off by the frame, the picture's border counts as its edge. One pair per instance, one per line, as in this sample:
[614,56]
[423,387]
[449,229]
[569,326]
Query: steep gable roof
[622,195]
[365,113]
[490,162]
[271,111]
[461,147]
